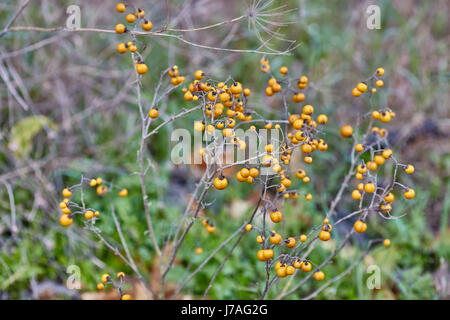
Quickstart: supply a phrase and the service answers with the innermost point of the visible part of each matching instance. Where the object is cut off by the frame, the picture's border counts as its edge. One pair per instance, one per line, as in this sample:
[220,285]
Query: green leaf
[25,130]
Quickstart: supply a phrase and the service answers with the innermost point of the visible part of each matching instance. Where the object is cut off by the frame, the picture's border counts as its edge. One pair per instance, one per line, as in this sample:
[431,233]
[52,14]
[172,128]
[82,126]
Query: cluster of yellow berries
[287,266]
[106,279]
[362,86]
[175,77]
[247,174]
[65,205]
[210,228]
[303,134]
[135,17]
[384,116]
[66,218]
[101,189]
[378,158]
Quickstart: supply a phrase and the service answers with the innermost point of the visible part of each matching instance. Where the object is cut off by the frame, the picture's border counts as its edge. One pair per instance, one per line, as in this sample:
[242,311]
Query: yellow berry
[105,278]
[346,131]
[120,28]
[409,169]
[66,193]
[88,214]
[130,18]
[147,25]
[65,220]
[123,193]
[120,7]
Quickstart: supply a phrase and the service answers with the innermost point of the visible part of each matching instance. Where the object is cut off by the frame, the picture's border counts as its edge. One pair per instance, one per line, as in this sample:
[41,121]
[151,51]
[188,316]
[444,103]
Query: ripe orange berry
[239,177]
[268,254]
[346,131]
[356,93]
[125,297]
[409,194]
[260,239]
[361,87]
[379,83]
[139,12]
[123,193]
[120,28]
[220,183]
[324,235]
[379,160]
[260,255]
[389,197]
[303,79]
[210,228]
[380,71]
[100,286]
[322,119]
[66,193]
[306,267]
[386,242]
[360,226]
[385,116]
[319,275]
[269,91]
[369,187]
[88,214]
[153,113]
[375,114]
[65,220]
[386,153]
[308,109]
[147,25]
[105,278]
[409,169]
[141,68]
[120,7]
[276,216]
[281,272]
[254,172]
[121,48]
[356,195]
[275,238]
[291,242]
[130,18]
[290,270]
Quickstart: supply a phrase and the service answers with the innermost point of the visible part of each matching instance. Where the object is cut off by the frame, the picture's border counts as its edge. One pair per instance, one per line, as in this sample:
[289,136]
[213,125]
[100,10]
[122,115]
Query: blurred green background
[82,90]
